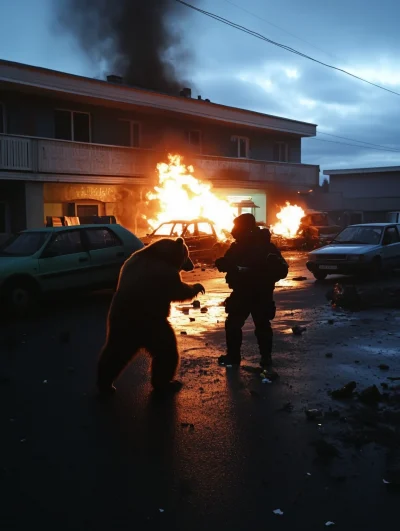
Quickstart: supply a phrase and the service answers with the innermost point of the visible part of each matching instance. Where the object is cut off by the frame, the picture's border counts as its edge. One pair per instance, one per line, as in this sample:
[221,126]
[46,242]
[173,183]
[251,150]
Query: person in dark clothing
[252,265]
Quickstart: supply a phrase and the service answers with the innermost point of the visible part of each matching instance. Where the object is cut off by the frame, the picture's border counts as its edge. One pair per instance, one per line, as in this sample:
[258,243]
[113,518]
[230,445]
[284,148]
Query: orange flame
[290,217]
[184,197]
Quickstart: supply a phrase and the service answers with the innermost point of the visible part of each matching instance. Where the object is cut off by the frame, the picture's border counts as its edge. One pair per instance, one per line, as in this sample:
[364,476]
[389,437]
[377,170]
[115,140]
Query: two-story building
[75,146]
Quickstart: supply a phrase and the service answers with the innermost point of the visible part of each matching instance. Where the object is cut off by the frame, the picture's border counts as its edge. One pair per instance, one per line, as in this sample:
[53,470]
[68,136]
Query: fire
[182,196]
[289,217]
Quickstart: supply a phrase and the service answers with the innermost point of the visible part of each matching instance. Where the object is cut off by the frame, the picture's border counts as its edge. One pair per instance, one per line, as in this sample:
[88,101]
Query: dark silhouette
[253,264]
[138,316]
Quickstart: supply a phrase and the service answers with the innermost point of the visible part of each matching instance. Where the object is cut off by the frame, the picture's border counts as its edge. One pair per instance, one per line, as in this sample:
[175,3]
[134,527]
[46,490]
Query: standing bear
[138,316]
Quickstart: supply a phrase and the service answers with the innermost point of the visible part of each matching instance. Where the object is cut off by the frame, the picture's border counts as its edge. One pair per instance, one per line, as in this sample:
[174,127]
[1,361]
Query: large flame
[183,197]
[290,217]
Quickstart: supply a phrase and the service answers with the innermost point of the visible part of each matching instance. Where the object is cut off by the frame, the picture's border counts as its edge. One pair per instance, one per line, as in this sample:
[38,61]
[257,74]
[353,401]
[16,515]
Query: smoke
[140,40]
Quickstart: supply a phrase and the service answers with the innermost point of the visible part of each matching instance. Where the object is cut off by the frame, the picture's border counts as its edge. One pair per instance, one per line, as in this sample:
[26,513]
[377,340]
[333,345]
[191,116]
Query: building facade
[362,194]
[75,146]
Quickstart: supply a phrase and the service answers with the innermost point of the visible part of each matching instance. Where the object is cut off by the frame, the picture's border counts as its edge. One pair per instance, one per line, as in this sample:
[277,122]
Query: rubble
[325,449]
[344,392]
[314,414]
[298,330]
[196,304]
[370,395]
[383,367]
[346,297]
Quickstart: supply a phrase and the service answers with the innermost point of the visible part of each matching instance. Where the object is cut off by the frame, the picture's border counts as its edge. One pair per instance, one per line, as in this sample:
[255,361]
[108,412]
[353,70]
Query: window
[24,244]
[68,242]
[164,230]
[204,229]
[3,218]
[190,231]
[130,133]
[83,211]
[281,152]
[178,229]
[72,125]
[391,236]
[242,144]
[102,239]
[194,138]
[2,118]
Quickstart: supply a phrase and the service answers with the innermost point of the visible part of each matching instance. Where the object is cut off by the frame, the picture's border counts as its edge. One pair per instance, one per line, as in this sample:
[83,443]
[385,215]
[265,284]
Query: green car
[41,261]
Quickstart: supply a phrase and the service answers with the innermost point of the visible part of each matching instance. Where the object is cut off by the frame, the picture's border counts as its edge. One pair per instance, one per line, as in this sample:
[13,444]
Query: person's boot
[227,360]
[268,370]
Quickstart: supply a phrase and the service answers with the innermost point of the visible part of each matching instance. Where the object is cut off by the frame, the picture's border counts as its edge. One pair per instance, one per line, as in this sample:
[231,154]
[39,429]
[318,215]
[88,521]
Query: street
[225,452]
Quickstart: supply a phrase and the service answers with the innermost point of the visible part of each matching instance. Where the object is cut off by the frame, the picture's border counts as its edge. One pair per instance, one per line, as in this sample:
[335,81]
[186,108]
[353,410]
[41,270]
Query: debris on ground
[192,319]
[278,511]
[329,523]
[346,297]
[183,333]
[266,381]
[325,449]
[298,330]
[299,279]
[314,414]
[331,321]
[383,367]
[289,407]
[196,304]
[329,355]
[204,310]
[344,392]
[370,395]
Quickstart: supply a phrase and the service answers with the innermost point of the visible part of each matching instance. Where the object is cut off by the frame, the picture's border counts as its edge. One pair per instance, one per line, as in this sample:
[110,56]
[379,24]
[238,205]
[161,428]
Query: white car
[365,248]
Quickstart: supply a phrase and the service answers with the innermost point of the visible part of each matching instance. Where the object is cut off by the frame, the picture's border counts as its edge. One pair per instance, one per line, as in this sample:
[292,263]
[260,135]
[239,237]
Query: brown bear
[138,316]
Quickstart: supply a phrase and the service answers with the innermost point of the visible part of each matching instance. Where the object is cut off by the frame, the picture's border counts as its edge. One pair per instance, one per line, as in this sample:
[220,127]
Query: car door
[191,240]
[391,248]
[107,255]
[64,262]
[206,239]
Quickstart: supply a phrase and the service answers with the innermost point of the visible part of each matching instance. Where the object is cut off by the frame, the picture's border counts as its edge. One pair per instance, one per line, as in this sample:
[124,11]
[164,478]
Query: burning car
[200,236]
[316,224]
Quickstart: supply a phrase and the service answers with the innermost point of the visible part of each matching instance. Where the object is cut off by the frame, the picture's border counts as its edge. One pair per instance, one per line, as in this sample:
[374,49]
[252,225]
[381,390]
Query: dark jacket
[253,265]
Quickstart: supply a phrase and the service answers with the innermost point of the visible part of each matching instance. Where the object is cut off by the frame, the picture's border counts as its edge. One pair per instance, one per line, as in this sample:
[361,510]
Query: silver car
[365,248]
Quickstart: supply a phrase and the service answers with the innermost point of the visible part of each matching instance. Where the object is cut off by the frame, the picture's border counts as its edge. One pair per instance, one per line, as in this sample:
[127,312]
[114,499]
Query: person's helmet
[244,223]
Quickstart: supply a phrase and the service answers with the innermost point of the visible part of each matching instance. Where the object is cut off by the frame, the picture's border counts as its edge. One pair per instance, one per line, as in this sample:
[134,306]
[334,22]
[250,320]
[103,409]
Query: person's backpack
[277,266]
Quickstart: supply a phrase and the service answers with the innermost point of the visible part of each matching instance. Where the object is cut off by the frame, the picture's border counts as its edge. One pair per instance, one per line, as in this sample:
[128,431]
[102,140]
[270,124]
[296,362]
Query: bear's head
[174,252]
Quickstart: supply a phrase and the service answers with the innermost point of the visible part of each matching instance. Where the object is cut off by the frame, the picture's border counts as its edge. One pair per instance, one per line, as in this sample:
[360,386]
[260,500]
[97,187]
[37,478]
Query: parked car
[199,234]
[36,262]
[364,248]
[316,224]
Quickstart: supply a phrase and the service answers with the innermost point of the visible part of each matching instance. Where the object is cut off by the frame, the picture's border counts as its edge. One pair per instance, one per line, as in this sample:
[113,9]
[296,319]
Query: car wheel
[20,297]
[320,275]
[376,267]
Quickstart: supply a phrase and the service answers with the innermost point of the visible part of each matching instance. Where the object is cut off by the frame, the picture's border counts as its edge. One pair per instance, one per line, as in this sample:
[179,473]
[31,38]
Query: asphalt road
[227,450]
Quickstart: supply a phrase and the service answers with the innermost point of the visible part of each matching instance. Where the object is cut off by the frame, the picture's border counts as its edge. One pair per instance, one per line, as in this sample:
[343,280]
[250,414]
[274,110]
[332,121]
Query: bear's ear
[180,242]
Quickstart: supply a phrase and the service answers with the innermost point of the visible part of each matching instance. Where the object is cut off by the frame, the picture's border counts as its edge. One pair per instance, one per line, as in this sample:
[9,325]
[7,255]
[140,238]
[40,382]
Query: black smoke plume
[139,40]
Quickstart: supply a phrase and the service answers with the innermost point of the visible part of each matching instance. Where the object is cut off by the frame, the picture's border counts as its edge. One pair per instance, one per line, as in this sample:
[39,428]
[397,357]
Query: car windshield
[365,235]
[24,244]
[164,230]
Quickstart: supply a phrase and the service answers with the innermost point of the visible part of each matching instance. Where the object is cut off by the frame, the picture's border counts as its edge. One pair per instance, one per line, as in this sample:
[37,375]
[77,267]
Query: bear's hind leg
[165,358]
[116,354]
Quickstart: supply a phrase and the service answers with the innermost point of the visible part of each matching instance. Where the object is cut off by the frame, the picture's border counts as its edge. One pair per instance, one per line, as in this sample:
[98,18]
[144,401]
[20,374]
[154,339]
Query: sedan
[36,262]
[358,249]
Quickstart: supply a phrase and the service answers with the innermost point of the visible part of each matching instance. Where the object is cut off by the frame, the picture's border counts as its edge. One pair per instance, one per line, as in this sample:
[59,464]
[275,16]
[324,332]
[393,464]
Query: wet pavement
[224,453]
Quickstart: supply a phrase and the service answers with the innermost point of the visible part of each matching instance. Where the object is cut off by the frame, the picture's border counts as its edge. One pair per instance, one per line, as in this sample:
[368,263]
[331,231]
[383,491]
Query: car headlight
[356,257]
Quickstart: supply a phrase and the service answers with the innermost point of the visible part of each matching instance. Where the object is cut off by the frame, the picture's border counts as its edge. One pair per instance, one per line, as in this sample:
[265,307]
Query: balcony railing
[56,157]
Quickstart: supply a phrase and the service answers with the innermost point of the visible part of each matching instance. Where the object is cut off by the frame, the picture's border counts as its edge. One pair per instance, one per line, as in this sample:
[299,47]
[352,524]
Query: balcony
[56,159]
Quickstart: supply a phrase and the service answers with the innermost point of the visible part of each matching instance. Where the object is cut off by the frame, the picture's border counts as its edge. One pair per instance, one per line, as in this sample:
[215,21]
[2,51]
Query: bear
[137,319]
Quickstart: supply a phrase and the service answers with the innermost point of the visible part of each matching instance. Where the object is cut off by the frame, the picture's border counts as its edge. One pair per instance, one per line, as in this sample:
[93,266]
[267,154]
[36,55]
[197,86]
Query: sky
[233,68]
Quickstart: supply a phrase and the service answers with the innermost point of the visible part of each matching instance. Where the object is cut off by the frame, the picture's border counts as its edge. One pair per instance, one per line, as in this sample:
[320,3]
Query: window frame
[387,229]
[77,205]
[198,146]
[72,112]
[237,139]
[285,145]
[131,136]
[86,232]
[55,236]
